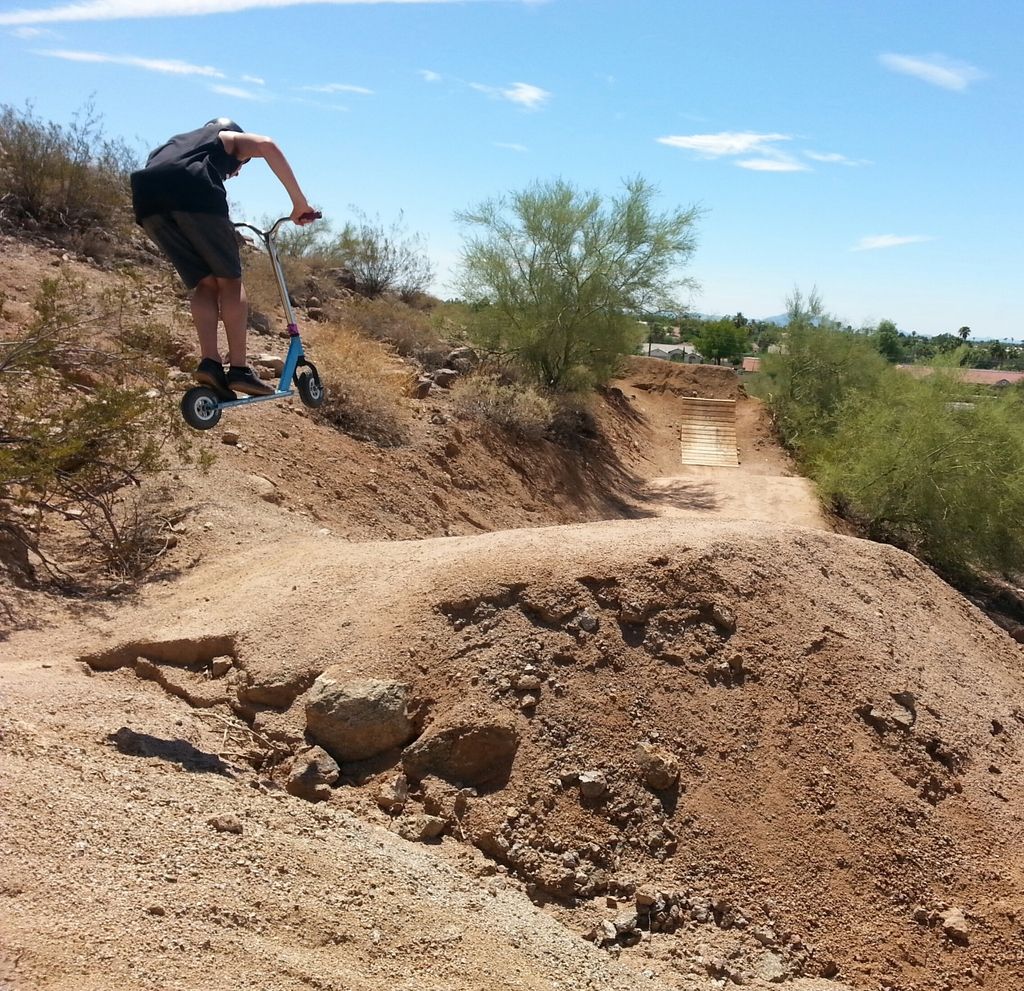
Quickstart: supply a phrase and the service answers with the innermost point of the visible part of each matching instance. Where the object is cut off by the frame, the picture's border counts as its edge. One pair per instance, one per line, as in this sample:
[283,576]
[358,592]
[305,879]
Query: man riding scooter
[180,201]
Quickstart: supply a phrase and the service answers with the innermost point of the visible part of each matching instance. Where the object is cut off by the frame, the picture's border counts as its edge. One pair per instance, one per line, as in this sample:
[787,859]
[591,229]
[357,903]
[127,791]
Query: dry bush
[408,330]
[86,425]
[366,393]
[520,409]
[260,283]
[71,177]
[305,277]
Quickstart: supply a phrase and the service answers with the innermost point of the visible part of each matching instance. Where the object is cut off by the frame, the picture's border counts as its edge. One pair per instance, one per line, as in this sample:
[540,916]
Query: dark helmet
[225,124]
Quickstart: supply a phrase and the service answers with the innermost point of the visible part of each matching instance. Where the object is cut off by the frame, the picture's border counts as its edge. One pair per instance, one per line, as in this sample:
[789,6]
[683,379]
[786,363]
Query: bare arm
[244,146]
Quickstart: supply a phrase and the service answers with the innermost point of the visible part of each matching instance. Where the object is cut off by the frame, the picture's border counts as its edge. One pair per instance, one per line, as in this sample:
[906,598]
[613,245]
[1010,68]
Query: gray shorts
[197,244]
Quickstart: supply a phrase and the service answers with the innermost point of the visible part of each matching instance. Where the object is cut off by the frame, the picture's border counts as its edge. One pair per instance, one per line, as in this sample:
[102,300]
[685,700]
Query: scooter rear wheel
[311,389]
[201,408]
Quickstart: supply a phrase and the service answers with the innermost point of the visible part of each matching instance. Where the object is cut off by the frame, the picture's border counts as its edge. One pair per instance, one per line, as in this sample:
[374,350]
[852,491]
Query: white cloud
[337,88]
[876,241]
[935,69]
[237,92]
[255,80]
[723,143]
[777,164]
[430,76]
[27,33]
[109,10]
[173,66]
[320,105]
[510,146]
[834,158]
[525,94]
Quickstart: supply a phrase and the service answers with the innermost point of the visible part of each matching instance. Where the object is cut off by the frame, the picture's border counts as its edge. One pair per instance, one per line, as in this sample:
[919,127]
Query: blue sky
[873,149]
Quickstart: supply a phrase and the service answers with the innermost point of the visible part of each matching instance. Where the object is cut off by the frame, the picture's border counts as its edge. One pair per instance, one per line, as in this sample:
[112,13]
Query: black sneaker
[211,373]
[245,380]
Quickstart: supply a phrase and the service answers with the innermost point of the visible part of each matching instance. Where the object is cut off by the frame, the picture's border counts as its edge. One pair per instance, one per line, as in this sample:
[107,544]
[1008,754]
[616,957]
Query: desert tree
[560,276]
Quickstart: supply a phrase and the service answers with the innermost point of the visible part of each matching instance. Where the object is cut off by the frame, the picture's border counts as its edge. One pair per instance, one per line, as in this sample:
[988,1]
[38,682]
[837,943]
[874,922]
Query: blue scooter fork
[284,385]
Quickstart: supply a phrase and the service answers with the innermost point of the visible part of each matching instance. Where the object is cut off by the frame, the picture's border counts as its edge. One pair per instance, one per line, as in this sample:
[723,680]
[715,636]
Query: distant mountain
[780,321]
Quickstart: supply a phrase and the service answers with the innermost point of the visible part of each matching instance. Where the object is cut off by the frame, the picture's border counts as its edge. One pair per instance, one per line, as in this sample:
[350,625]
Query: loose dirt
[746,752]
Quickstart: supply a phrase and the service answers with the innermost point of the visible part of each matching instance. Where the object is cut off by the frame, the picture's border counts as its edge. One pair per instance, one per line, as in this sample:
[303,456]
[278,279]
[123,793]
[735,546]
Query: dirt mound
[705,381]
[847,730]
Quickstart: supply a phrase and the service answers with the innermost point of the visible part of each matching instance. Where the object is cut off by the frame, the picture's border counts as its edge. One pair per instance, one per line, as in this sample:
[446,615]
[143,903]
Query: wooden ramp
[707,433]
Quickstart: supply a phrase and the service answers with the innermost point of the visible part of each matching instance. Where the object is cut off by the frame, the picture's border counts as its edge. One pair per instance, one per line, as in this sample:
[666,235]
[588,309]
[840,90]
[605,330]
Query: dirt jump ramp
[707,433]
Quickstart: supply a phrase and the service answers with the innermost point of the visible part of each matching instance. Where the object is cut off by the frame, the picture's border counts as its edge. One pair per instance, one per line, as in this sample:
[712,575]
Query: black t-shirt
[186,173]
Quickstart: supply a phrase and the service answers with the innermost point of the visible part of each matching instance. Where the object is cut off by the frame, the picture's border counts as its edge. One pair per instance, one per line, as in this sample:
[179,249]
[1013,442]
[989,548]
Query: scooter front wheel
[311,389]
[201,408]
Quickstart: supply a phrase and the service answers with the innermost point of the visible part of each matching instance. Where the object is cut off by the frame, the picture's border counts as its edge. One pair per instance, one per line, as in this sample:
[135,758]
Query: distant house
[751,364]
[976,376]
[682,352]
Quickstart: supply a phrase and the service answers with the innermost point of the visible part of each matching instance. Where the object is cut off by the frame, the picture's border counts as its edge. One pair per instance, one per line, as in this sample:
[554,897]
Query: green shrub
[558,277]
[929,466]
[806,384]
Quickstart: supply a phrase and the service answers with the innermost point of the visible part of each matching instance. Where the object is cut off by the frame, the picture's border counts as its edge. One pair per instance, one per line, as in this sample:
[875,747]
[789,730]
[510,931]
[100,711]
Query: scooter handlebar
[310,215]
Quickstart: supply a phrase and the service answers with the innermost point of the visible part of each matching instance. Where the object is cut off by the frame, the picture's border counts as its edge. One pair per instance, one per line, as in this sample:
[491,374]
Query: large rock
[471,750]
[462,360]
[445,377]
[360,718]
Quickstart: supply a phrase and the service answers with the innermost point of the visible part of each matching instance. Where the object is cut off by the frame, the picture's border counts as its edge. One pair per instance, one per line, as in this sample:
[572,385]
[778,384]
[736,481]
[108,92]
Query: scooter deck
[255,399]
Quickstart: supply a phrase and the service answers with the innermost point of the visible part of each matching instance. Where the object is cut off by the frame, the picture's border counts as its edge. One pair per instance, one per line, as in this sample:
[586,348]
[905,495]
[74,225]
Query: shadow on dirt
[179,752]
[680,494]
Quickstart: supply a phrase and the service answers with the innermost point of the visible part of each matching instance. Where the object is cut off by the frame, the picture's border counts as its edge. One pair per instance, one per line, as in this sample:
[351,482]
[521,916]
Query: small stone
[771,968]
[645,898]
[230,437]
[312,775]
[419,828]
[225,824]
[393,795]
[593,784]
[528,702]
[445,377]
[588,623]
[156,910]
[220,666]
[660,769]
[723,617]
[903,719]
[954,925]
[528,683]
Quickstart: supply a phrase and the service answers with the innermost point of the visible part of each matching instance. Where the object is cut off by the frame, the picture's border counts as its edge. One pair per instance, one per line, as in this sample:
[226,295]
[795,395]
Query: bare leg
[205,312]
[234,311]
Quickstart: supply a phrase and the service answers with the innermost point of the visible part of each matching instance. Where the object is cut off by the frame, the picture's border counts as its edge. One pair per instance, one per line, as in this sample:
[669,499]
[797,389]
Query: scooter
[202,406]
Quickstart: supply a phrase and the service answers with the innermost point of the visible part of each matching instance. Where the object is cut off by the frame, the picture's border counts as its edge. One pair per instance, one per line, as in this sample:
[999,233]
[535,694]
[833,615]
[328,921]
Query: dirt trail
[775,493]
